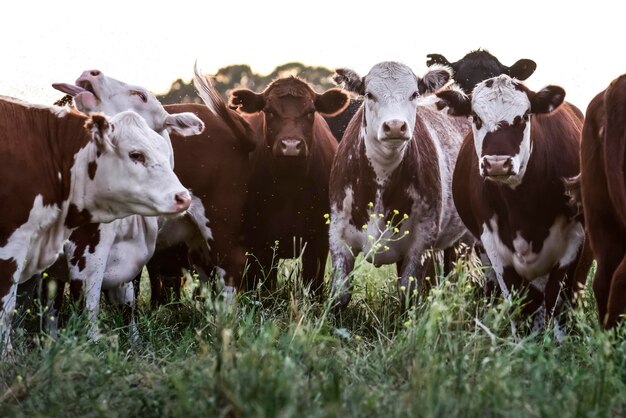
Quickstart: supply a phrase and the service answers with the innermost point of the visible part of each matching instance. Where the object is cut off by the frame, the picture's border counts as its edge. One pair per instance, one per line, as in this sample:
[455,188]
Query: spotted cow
[390,185]
[201,160]
[603,194]
[508,187]
[288,189]
[95,169]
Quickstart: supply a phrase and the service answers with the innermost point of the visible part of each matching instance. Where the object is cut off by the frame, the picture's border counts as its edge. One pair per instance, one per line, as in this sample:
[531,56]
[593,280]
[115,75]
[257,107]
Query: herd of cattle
[464,154]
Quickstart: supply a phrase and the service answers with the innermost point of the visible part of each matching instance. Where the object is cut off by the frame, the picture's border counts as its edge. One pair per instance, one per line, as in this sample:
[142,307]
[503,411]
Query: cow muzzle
[497,166]
[395,129]
[290,148]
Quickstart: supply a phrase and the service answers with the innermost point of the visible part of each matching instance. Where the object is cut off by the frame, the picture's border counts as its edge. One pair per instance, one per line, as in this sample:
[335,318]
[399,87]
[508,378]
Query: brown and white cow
[396,158]
[114,168]
[603,187]
[508,187]
[289,171]
[113,257]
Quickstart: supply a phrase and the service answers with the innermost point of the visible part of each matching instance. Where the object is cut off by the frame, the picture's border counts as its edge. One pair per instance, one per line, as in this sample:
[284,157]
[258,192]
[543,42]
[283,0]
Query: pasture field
[457,354]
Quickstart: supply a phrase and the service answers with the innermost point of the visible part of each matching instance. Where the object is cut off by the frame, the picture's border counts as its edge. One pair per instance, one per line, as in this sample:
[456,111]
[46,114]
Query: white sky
[152,44]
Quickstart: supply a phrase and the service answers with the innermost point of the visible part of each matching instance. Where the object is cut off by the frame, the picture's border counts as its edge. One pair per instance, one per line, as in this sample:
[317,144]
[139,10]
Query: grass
[454,355]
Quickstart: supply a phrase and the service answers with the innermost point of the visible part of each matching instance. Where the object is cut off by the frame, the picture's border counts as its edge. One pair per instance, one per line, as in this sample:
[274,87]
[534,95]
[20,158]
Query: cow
[210,162]
[287,194]
[603,195]
[391,178]
[62,170]
[480,65]
[509,189]
[473,68]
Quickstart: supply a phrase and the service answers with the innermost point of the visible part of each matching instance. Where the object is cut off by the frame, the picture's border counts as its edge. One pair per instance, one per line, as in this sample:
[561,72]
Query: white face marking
[391,93]
[501,102]
[559,249]
[123,186]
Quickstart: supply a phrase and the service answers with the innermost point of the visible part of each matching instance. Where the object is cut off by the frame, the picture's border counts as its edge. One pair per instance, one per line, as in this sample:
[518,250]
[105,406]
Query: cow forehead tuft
[499,98]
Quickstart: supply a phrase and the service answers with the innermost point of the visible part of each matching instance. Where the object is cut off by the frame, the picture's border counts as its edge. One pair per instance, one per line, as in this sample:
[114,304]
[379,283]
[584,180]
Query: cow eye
[137,157]
[141,95]
[527,116]
[415,95]
[370,96]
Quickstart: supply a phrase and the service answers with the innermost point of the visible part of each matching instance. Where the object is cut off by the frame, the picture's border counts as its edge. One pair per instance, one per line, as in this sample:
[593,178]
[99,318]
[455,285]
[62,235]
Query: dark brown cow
[115,168]
[603,184]
[288,189]
[391,179]
[508,187]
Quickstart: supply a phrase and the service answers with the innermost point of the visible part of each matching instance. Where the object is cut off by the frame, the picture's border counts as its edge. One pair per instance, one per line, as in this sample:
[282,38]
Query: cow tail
[213,100]
[615,145]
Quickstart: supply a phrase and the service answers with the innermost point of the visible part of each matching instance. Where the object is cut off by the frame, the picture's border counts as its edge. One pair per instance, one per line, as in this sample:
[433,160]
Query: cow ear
[100,128]
[350,80]
[331,102]
[437,59]
[184,124]
[457,102]
[246,101]
[547,99]
[436,77]
[522,69]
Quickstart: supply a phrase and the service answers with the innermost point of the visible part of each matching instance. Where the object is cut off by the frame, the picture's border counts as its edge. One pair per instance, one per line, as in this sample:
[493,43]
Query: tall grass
[455,354]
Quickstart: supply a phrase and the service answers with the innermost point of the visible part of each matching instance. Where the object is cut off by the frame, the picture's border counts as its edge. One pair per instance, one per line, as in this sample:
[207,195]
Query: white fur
[119,188]
[501,102]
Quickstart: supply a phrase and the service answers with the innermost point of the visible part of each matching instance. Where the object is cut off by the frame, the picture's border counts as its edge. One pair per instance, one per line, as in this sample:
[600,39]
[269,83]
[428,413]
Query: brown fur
[603,153]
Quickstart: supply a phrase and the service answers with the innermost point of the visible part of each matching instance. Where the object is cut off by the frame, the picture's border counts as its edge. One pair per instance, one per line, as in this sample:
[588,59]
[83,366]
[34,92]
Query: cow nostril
[403,128]
[508,164]
[180,198]
[487,164]
[95,73]
[386,127]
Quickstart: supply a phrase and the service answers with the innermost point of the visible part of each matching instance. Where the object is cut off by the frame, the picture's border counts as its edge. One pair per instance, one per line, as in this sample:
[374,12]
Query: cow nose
[292,147]
[395,128]
[500,165]
[182,201]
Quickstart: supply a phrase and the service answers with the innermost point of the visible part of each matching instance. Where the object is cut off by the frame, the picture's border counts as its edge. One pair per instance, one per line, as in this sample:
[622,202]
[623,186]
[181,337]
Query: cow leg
[607,263]
[9,278]
[532,295]
[343,265]
[616,306]
[124,297]
[413,279]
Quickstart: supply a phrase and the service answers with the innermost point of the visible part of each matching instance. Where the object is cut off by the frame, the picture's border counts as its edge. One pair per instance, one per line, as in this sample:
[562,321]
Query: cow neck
[383,158]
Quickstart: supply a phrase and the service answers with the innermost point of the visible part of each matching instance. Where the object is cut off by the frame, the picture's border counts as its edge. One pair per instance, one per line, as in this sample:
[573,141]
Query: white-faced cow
[114,168]
[395,158]
[288,189]
[508,187]
[603,183]
[125,247]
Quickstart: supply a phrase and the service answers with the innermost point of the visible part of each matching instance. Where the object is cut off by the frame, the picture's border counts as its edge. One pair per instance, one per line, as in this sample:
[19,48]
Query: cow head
[500,110]
[95,92]
[480,65]
[391,91]
[289,106]
[131,172]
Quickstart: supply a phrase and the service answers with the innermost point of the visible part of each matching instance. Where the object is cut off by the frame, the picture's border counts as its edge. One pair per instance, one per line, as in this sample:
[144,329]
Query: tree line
[242,76]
